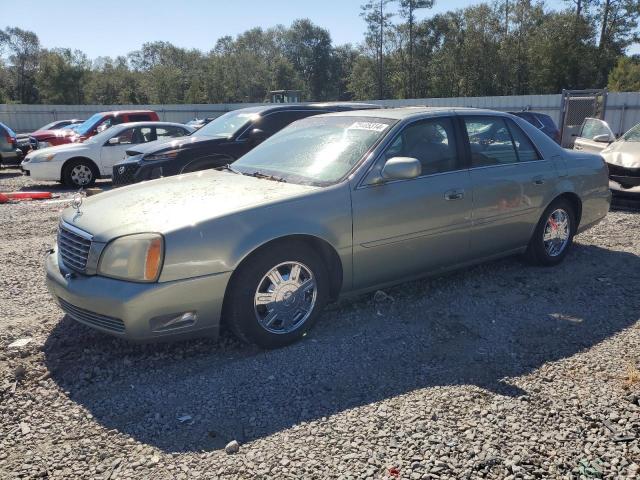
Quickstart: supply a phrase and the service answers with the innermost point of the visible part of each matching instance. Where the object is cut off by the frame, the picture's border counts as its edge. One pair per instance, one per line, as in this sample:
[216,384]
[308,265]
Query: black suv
[542,122]
[10,154]
[220,142]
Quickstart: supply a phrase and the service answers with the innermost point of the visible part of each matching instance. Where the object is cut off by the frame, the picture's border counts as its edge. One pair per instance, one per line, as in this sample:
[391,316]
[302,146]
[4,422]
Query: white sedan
[80,164]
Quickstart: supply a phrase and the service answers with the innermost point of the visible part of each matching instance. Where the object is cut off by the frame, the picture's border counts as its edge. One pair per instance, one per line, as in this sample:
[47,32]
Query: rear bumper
[13,157]
[131,310]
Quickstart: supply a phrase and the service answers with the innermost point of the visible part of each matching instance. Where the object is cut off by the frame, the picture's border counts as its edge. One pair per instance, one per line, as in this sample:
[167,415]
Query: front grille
[91,318]
[73,248]
[124,174]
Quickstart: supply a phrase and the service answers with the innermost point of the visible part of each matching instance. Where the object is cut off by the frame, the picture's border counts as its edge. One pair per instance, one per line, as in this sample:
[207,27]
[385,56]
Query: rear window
[546,120]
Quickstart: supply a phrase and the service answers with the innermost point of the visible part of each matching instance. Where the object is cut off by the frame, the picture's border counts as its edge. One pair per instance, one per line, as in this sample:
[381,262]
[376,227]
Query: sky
[117,27]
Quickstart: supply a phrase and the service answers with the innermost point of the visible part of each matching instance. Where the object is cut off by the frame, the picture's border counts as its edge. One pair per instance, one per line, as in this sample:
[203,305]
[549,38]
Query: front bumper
[626,177]
[128,310]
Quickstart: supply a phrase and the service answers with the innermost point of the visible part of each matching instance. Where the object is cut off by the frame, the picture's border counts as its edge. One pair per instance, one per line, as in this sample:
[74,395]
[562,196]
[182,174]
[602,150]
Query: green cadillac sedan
[335,204]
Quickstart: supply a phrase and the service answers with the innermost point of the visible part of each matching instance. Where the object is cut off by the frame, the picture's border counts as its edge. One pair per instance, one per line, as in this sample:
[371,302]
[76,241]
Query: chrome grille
[73,248]
[92,319]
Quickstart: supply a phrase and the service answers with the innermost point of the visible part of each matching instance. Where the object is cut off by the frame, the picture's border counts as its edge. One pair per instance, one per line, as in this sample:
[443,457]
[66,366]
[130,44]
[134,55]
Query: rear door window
[490,142]
[525,149]
[139,117]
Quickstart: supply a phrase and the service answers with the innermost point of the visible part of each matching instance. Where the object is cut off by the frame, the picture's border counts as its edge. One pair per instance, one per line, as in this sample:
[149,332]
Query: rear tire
[553,235]
[276,295]
[79,174]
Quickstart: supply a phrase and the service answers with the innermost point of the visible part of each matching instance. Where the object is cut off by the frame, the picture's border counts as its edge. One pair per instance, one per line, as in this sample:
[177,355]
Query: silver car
[622,155]
[335,204]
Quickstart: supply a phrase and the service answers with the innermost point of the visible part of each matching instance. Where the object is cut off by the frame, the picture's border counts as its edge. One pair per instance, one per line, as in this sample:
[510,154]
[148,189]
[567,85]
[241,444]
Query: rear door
[511,184]
[591,129]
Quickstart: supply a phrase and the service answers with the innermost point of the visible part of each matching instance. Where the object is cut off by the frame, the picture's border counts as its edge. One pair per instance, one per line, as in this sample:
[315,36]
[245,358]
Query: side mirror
[114,141]
[256,135]
[604,138]
[400,168]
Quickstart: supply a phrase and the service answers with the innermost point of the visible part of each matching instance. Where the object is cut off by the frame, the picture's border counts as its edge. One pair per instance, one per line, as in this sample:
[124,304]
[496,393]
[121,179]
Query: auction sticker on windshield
[371,126]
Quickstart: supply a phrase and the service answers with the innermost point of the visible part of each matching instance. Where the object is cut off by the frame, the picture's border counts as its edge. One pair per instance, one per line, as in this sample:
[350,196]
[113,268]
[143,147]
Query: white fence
[623,109]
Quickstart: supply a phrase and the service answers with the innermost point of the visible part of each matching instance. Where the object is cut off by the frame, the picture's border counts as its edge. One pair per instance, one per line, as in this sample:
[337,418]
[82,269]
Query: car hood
[623,154]
[43,135]
[66,148]
[176,143]
[172,203]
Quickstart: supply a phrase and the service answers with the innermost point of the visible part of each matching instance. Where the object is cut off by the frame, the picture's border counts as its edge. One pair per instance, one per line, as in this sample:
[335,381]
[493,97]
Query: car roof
[403,113]
[151,123]
[333,106]
[125,112]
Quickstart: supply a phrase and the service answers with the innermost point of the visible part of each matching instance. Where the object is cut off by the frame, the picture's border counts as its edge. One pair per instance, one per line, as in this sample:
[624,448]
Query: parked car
[27,142]
[10,154]
[622,155]
[80,164]
[333,204]
[198,123]
[90,127]
[542,122]
[221,141]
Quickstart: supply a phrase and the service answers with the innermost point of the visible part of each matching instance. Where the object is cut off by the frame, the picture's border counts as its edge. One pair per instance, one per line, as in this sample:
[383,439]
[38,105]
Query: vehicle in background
[542,122]
[92,126]
[80,164]
[622,155]
[198,123]
[333,204]
[26,141]
[222,141]
[10,154]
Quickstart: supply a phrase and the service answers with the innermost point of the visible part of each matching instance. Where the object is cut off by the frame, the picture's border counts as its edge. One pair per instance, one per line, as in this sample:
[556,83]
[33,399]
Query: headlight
[134,257]
[43,144]
[161,156]
[42,157]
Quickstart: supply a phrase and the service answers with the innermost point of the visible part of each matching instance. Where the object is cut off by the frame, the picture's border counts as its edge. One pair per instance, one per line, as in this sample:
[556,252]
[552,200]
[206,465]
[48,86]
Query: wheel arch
[327,252]
[67,162]
[575,202]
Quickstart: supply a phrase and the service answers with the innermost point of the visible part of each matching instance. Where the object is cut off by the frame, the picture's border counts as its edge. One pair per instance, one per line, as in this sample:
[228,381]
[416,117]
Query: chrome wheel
[285,297]
[557,231]
[81,175]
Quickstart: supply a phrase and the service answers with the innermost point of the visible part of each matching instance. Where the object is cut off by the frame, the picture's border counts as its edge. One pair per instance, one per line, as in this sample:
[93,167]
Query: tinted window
[524,147]
[490,141]
[127,137]
[138,117]
[170,132]
[275,122]
[547,121]
[432,142]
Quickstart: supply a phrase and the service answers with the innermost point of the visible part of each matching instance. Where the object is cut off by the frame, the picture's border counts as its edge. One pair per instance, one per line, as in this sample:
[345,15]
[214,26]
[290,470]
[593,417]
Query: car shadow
[480,327]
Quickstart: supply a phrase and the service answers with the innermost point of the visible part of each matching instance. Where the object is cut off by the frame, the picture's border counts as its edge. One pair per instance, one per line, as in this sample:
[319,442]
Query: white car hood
[72,148]
[623,154]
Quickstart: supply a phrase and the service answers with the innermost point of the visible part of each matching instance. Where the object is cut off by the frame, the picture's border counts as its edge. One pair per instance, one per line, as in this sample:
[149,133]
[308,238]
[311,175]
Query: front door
[112,153]
[593,128]
[404,228]
[511,184]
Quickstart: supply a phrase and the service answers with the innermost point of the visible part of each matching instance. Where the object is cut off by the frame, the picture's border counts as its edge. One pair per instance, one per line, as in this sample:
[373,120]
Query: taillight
[10,140]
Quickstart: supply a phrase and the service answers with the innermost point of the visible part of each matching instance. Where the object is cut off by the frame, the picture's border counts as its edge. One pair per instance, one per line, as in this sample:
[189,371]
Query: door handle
[454,194]
[538,180]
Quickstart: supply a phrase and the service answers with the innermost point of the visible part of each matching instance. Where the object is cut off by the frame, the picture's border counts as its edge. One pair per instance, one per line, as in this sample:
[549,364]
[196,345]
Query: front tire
[276,295]
[553,235]
[79,174]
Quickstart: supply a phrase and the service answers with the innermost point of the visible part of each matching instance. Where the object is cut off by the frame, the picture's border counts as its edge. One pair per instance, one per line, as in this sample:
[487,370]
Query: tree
[625,77]
[378,20]
[24,51]
[618,20]
[408,11]
[62,75]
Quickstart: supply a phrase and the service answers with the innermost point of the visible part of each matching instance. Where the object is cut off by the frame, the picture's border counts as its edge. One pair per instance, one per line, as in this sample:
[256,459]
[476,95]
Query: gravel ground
[501,371]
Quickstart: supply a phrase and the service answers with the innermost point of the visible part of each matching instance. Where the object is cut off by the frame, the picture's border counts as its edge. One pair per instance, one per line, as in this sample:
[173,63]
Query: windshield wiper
[259,174]
[231,169]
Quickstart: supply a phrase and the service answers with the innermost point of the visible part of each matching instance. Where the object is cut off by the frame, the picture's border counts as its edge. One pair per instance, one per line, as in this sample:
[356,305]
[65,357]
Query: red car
[95,124]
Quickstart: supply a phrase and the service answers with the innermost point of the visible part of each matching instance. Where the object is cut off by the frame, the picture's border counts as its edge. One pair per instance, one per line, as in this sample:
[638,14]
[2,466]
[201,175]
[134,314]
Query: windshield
[633,135]
[85,127]
[227,124]
[316,150]
[103,136]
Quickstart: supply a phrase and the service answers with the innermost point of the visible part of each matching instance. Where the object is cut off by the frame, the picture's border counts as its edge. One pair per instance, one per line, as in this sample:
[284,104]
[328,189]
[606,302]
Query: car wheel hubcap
[285,297]
[81,175]
[556,232]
